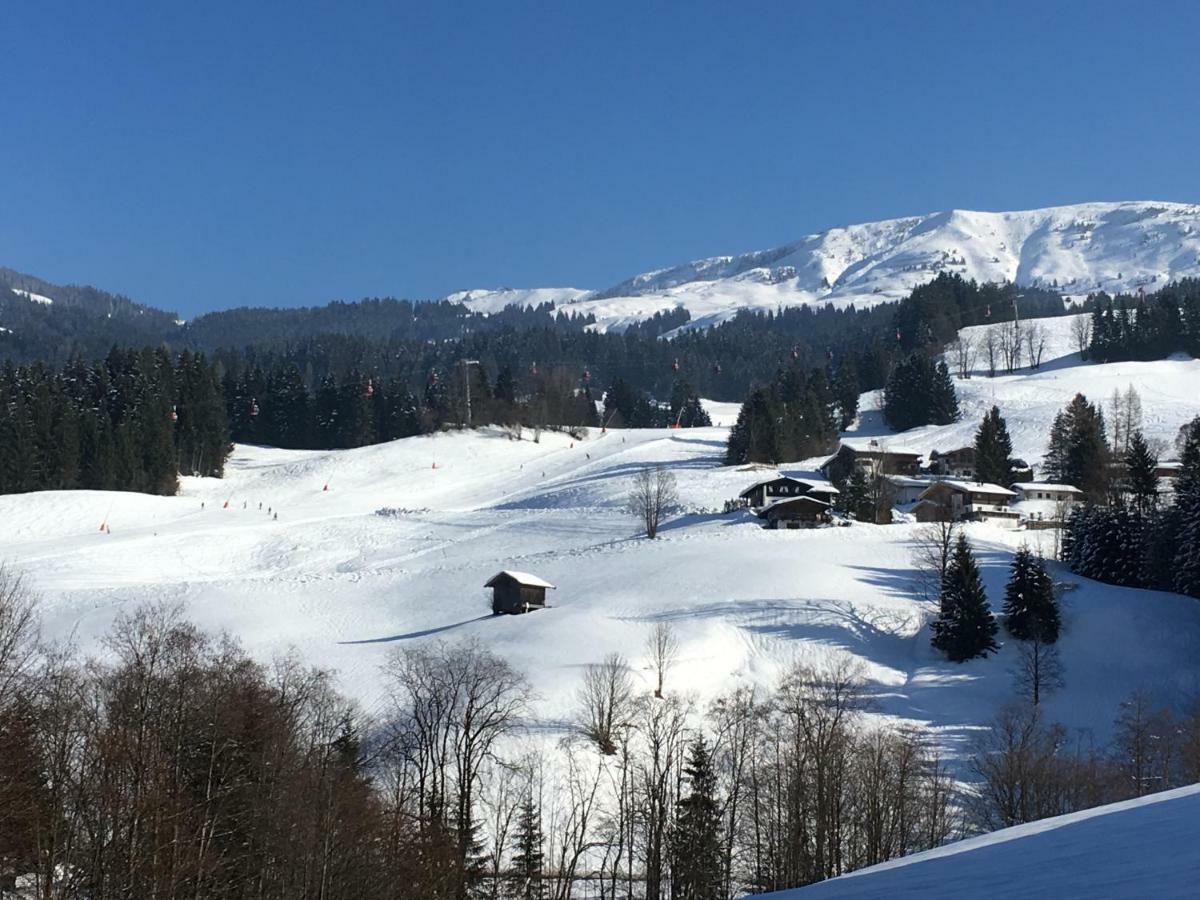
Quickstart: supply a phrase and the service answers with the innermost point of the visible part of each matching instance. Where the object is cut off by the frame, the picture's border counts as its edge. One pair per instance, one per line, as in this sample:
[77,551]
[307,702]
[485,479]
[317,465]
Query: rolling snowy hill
[1142,848]
[1079,248]
[397,551]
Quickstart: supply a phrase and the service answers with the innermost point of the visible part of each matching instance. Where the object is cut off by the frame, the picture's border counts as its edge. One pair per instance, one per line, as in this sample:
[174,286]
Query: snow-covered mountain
[1079,248]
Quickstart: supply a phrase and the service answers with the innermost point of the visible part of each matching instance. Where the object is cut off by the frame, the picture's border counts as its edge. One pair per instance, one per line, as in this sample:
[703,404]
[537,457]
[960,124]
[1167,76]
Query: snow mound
[1135,849]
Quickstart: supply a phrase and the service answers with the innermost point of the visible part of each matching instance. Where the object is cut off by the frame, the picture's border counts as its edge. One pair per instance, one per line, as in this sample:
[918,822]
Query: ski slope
[1079,248]
[1144,848]
[345,586]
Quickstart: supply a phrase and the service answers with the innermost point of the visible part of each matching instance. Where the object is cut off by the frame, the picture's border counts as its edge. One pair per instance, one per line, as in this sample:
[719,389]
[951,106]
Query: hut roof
[522,578]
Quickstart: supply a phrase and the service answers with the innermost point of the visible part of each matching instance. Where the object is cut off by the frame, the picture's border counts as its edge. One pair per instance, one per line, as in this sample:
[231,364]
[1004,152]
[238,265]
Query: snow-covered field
[347,586]
[1078,248]
[1124,851]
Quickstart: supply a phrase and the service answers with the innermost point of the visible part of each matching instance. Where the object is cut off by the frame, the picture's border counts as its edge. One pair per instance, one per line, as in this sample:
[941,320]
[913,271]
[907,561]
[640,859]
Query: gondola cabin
[517,592]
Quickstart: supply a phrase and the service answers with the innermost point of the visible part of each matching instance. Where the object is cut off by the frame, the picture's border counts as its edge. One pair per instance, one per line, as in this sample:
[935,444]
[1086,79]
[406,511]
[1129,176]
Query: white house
[1056,493]
[966,500]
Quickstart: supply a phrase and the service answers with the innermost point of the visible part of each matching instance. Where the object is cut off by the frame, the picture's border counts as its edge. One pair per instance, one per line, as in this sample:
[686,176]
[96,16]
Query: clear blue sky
[205,155]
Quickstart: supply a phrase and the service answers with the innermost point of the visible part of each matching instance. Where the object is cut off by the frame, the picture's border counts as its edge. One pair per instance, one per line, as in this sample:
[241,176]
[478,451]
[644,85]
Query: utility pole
[466,367]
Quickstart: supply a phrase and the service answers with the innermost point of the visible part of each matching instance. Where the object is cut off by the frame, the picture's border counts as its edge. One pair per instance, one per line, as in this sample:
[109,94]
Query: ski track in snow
[345,587]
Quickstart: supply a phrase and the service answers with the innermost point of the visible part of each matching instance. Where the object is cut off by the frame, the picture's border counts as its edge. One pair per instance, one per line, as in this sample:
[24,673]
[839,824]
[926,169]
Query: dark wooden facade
[515,592]
[784,487]
[800,512]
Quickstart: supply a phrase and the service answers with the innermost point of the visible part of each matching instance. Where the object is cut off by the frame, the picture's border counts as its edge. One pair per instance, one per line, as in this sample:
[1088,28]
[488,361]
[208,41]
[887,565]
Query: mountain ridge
[1080,248]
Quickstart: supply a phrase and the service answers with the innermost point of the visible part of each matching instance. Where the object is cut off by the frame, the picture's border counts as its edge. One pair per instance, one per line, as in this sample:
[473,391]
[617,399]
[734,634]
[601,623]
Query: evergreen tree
[965,627]
[993,450]
[1187,514]
[1078,450]
[525,880]
[1030,607]
[696,838]
[1141,478]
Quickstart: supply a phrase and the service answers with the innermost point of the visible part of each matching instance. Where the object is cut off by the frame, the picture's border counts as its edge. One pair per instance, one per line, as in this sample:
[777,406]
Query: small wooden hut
[517,592]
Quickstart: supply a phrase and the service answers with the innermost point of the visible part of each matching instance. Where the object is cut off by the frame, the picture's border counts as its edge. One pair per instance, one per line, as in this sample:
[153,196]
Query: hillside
[1136,849]
[346,585]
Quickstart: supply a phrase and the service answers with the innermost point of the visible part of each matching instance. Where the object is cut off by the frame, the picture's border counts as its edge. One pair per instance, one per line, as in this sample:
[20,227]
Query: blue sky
[223,154]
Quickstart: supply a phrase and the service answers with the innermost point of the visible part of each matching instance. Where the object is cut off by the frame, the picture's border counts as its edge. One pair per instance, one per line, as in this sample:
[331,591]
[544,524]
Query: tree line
[132,422]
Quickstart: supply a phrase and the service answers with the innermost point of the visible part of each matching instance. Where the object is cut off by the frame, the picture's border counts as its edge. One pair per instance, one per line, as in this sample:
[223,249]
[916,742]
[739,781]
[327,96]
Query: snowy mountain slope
[346,586]
[1079,248]
[493,301]
[1136,849]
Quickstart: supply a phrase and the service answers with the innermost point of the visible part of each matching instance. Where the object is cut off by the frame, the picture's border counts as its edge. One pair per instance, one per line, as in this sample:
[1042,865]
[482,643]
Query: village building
[958,463]
[795,512]
[517,592]
[1037,490]
[873,458]
[966,500]
[1045,505]
[1168,468]
[783,487]
[905,489]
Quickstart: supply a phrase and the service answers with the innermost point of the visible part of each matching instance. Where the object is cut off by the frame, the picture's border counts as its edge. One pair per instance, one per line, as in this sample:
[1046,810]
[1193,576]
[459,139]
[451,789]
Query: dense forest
[347,375]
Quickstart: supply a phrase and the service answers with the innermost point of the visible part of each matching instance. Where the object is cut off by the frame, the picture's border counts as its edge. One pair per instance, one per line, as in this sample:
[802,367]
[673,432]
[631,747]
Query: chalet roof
[863,445]
[812,484]
[783,501]
[522,578]
[1046,486]
[972,487]
[878,445]
[909,481]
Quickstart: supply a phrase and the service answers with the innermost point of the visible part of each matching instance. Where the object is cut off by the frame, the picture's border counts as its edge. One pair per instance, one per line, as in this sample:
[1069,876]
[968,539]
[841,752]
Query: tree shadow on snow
[427,632]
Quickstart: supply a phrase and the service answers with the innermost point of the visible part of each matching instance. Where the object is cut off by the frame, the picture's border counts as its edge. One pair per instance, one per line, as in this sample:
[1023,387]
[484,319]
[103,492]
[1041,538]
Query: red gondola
[253,407]
[587,376]
[675,365]
[796,352]
[370,388]
[716,368]
[174,415]
[533,369]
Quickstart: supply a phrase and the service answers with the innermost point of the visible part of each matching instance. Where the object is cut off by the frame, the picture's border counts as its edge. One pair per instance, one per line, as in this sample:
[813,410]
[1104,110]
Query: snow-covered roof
[975,487]
[803,498]
[1046,486]
[879,445]
[522,578]
[909,481]
[820,485]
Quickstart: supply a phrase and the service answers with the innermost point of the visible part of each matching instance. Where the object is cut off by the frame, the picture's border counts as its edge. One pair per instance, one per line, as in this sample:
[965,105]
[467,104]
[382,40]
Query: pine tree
[1141,473]
[965,627]
[993,450]
[1078,450]
[525,880]
[696,838]
[1030,608]
[858,496]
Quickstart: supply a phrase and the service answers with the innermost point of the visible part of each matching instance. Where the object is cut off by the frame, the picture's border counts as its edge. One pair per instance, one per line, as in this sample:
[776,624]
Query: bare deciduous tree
[1081,333]
[18,629]
[662,646]
[1035,343]
[963,350]
[1039,670]
[991,347]
[933,544]
[606,701]
[653,497]
[1010,345]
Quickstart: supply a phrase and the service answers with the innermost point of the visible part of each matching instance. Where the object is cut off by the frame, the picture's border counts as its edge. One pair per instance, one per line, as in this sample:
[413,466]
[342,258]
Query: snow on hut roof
[521,578]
